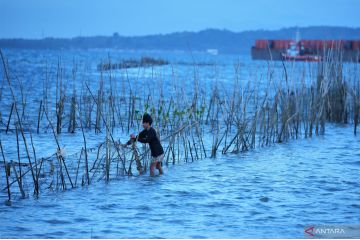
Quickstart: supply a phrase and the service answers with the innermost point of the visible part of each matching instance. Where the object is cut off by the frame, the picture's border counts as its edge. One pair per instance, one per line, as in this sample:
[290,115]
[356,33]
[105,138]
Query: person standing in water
[150,136]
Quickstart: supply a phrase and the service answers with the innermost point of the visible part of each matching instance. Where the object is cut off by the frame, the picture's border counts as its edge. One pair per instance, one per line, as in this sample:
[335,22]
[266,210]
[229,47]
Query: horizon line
[177,32]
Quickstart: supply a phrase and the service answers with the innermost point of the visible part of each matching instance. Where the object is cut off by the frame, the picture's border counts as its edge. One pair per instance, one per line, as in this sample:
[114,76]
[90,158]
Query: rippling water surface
[270,192]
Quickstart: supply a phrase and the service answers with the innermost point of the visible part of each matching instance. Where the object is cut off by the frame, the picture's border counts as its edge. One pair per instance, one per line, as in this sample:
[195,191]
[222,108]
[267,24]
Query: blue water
[270,192]
[267,192]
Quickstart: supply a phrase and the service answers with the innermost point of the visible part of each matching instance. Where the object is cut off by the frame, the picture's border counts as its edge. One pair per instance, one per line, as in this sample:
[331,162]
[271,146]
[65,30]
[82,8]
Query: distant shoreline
[224,41]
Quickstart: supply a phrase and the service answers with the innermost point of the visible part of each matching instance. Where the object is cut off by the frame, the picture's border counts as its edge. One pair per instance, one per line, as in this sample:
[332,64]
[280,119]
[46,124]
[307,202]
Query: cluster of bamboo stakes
[193,124]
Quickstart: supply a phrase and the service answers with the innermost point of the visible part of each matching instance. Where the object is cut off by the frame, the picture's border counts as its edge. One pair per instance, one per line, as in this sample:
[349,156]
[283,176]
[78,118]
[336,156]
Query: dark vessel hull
[276,54]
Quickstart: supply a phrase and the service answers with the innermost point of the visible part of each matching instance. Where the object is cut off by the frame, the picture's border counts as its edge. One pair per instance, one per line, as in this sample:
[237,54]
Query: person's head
[147,121]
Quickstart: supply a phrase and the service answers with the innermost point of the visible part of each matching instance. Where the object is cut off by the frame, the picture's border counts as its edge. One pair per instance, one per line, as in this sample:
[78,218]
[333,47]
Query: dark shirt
[150,136]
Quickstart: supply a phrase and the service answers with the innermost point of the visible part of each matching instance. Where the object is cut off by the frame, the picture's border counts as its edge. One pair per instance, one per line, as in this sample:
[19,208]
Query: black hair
[147,118]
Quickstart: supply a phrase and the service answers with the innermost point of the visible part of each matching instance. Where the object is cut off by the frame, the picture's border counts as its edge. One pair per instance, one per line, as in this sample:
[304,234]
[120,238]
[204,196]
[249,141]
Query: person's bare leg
[152,169]
[158,166]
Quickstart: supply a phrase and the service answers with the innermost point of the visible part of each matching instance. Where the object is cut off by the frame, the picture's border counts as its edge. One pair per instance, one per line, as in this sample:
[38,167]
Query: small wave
[212,192]
[20,229]
[253,213]
[183,192]
[176,221]
[57,234]
[108,206]
[80,219]
[172,205]
[264,199]
[357,163]
[57,221]
[351,183]
[333,189]
[47,206]
[144,207]
[197,236]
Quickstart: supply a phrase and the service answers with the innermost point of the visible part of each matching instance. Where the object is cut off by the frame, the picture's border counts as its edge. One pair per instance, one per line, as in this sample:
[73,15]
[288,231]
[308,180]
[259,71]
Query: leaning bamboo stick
[7,174]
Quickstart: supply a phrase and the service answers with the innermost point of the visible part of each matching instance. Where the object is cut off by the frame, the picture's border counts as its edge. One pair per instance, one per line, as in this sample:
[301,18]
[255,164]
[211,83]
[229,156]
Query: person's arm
[147,136]
[143,136]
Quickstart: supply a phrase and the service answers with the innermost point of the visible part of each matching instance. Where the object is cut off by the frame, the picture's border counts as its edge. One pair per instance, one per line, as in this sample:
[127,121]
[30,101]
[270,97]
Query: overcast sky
[69,18]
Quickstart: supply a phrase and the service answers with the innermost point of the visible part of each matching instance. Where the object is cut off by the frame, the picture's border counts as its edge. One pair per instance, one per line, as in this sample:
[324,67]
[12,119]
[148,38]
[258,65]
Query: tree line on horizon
[225,41]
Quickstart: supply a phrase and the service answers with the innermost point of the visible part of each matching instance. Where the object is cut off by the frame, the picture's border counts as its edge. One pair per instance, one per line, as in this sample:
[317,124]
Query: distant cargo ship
[305,50]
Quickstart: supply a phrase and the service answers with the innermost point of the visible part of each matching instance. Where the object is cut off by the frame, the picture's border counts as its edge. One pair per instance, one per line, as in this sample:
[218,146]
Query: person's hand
[132,136]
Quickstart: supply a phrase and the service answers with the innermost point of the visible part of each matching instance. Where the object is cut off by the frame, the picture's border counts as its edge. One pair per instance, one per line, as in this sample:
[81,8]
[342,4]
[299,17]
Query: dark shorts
[157,159]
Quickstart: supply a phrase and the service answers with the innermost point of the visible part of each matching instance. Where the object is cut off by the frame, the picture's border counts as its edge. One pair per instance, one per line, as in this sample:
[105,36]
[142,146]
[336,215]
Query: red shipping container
[281,44]
[276,44]
[305,44]
[262,44]
[356,45]
[309,44]
[338,44]
[265,44]
[259,43]
[329,44]
[312,44]
[318,44]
